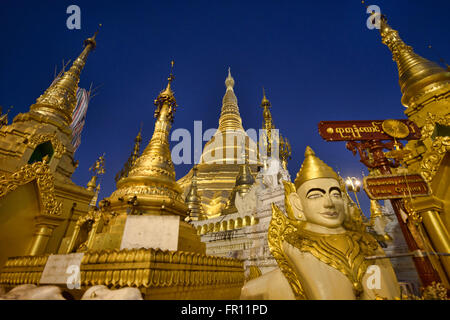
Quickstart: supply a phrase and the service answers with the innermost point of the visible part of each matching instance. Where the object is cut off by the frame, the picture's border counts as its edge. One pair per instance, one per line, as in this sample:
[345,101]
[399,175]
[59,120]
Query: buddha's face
[320,201]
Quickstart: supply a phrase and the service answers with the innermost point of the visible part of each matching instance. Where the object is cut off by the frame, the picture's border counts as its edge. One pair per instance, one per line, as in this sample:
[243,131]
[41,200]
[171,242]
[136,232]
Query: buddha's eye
[315,195]
[336,194]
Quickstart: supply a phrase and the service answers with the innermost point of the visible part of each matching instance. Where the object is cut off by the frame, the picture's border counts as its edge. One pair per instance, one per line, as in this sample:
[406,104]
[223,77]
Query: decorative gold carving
[436,291]
[21,270]
[4,117]
[429,89]
[99,166]
[93,217]
[430,124]
[285,151]
[395,128]
[440,146]
[345,252]
[412,214]
[146,269]
[279,228]
[148,190]
[40,172]
[58,147]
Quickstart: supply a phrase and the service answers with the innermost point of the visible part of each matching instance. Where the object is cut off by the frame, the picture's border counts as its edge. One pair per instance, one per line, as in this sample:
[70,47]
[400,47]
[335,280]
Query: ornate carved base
[157,274]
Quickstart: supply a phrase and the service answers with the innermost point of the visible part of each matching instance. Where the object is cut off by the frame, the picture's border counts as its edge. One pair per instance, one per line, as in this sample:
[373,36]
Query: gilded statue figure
[321,244]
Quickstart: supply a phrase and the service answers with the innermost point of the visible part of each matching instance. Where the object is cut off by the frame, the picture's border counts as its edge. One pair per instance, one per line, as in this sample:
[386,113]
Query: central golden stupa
[219,163]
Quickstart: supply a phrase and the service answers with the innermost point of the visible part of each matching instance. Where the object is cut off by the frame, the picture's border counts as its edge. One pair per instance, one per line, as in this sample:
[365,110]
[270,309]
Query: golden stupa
[45,214]
[39,202]
[425,88]
[222,155]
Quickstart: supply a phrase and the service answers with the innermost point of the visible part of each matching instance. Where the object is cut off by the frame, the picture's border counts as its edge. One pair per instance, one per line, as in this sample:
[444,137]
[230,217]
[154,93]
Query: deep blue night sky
[317,61]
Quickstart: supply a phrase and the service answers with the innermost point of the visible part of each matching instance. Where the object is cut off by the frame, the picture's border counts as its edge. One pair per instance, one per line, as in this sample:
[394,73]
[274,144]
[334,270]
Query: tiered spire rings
[152,177]
[59,100]
[417,75]
[230,118]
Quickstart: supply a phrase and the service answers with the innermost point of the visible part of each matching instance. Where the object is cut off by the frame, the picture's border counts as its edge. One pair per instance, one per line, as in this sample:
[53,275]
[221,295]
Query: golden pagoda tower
[153,175]
[425,88]
[284,147]
[222,155]
[39,201]
[148,188]
[267,123]
[420,79]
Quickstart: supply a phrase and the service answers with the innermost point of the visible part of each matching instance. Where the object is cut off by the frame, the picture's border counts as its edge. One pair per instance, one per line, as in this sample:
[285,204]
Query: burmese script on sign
[355,132]
[361,130]
[395,186]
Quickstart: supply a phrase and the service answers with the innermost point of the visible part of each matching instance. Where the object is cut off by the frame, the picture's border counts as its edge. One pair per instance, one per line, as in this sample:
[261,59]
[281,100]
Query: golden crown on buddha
[313,168]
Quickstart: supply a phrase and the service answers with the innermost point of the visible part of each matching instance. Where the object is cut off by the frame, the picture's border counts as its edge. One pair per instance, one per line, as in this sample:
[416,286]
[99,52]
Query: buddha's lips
[333,214]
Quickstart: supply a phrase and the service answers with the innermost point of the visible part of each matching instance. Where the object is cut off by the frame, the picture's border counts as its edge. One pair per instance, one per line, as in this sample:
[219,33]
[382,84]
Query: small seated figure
[321,245]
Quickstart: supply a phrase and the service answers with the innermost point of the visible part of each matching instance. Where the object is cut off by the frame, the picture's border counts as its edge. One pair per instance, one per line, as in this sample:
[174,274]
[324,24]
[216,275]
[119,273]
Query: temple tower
[147,198]
[39,202]
[425,88]
[222,155]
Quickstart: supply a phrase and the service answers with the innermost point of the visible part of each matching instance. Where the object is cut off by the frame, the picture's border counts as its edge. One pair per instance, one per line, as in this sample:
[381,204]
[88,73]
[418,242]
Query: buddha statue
[321,244]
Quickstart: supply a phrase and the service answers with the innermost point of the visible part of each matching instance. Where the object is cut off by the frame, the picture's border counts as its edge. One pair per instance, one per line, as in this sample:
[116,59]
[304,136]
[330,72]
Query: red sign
[362,130]
[395,186]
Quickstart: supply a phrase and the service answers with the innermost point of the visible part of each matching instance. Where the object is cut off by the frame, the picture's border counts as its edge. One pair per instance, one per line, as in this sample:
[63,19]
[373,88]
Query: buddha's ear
[297,207]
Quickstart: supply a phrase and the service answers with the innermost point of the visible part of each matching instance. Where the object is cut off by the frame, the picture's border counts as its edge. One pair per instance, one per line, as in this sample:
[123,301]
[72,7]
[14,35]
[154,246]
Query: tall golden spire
[153,173]
[132,159]
[284,147]
[265,104]
[59,100]
[267,123]
[415,72]
[230,119]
